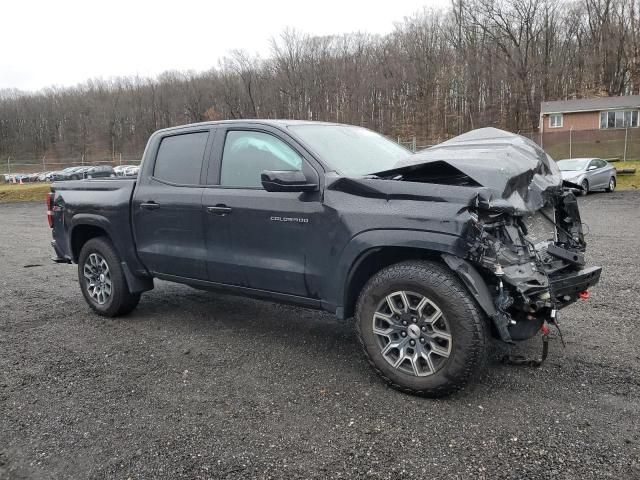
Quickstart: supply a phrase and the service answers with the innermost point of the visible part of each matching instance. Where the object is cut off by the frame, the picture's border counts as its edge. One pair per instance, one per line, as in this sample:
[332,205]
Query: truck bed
[98,204]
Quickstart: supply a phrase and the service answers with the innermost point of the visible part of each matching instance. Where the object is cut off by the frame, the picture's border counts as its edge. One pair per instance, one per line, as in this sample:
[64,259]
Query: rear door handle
[150,205]
[219,210]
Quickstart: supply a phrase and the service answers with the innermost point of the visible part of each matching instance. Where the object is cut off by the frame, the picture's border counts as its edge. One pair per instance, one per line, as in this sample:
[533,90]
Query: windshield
[351,151]
[572,165]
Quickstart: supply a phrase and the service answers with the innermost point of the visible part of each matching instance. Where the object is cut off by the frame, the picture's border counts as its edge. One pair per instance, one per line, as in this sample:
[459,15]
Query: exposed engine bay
[527,256]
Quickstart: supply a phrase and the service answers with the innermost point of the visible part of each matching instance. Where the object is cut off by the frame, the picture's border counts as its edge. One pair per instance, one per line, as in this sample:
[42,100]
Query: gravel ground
[201,385]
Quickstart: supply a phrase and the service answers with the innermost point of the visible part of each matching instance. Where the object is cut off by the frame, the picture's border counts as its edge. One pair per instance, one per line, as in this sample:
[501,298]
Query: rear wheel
[585,187]
[102,280]
[612,185]
[420,329]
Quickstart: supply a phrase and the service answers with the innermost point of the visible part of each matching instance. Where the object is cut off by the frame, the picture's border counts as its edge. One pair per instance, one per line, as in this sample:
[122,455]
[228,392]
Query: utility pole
[570,140]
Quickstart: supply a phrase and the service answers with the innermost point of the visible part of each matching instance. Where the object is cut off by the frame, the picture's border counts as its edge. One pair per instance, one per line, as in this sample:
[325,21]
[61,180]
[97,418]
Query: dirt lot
[200,385]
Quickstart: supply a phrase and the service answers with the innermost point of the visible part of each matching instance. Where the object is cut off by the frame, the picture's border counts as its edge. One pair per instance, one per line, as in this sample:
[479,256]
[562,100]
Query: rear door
[167,206]
[271,233]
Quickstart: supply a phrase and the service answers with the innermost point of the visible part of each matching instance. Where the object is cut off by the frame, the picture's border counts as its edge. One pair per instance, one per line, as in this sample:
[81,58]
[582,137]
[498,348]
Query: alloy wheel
[97,278]
[412,333]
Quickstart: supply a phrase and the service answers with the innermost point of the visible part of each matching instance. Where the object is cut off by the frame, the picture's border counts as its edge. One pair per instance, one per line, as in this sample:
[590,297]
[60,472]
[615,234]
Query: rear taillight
[49,202]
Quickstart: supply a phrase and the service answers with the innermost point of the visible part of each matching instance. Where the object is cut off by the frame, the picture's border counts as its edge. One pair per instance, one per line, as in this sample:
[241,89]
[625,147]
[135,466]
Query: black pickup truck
[431,252]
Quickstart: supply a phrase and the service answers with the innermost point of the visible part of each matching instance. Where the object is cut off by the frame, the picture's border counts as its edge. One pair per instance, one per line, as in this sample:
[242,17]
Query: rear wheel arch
[611,186]
[81,234]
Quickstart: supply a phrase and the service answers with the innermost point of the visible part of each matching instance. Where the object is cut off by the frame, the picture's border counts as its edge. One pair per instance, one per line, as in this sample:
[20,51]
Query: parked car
[45,176]
[20,177]
[69,173]
[63,174]
[120,169]
[100,171]
[431,252]
[589,173]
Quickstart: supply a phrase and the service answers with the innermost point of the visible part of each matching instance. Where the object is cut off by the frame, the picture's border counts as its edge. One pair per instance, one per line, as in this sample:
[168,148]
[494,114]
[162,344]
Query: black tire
[585,187]
[467,326]
[120,301]
[612,185]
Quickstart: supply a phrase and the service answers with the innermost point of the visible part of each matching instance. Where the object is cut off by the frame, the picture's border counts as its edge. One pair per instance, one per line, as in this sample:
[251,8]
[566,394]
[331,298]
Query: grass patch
[35,192]
[628,182]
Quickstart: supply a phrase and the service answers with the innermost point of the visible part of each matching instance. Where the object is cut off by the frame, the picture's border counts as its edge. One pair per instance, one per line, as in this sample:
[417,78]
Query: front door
[167,208]
[271,233]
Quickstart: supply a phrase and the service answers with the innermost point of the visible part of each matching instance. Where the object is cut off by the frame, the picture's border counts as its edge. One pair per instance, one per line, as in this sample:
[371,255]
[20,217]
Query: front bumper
[571,284]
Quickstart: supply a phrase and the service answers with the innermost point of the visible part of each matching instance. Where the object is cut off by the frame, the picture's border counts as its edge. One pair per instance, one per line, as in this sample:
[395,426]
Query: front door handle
[150,205]
[219,210]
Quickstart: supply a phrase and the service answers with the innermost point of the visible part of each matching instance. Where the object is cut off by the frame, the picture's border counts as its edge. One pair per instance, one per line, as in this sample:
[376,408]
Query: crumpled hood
[519,175]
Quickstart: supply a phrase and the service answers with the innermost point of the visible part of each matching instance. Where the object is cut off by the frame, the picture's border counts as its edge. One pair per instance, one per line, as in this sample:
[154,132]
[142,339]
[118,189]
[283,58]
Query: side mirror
[592,167]
[287,181]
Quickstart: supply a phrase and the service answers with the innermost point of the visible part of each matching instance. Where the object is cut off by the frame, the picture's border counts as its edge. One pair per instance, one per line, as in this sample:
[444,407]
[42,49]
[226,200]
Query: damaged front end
[525,245]
[534,263]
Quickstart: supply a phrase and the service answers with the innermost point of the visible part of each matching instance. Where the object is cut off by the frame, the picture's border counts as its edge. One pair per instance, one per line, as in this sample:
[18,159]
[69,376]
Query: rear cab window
[180,157]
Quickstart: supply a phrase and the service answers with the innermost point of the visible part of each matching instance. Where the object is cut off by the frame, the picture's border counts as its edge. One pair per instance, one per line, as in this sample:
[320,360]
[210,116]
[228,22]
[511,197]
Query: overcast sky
[66,42]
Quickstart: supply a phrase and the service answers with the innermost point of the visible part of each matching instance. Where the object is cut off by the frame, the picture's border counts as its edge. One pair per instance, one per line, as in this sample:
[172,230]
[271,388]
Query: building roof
[590,104]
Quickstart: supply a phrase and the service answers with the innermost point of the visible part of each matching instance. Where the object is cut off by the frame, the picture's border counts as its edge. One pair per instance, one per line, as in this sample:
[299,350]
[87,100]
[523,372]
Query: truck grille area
[539,228]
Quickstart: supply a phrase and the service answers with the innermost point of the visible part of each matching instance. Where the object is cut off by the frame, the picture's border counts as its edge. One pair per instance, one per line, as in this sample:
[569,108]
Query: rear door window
[179,158]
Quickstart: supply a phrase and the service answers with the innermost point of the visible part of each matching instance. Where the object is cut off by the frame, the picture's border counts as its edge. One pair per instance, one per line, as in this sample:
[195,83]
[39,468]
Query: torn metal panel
[519,174]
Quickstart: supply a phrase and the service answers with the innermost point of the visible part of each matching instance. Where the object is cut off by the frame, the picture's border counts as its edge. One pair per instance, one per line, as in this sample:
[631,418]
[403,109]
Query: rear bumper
[59,256]
[571,284]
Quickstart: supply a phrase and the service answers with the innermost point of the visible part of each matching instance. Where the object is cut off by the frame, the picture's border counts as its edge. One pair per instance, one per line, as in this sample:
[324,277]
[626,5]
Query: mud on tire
[390,330]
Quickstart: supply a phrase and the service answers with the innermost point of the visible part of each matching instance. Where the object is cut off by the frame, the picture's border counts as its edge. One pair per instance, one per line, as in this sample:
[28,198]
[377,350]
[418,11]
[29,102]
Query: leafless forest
[477,63]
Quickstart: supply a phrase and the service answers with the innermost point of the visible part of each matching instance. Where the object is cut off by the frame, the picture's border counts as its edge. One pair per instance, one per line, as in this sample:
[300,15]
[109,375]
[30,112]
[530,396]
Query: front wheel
[585,188]
[420,329]
[102,280]
[612,185]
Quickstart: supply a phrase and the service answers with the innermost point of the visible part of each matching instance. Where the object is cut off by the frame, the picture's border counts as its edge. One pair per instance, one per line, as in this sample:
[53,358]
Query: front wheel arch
[371,262]
[585,189]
